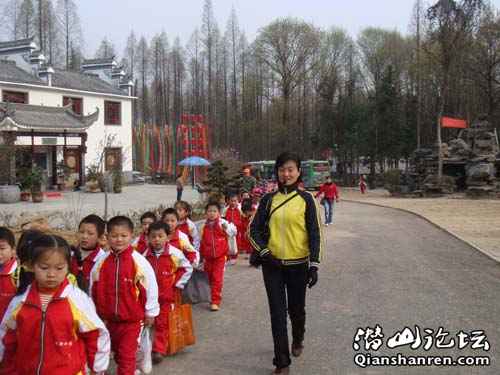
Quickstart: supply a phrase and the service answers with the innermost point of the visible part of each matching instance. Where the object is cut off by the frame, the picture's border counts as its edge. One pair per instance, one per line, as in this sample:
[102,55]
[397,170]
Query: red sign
[450,122]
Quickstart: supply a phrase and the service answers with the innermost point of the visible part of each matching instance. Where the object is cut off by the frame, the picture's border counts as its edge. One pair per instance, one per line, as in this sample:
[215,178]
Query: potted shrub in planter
[117,181]
[94,179]
[36,176]
[25,183]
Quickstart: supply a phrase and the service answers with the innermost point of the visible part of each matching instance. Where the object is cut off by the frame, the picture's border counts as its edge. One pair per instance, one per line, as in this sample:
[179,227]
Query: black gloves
[255,259]
[312,276]
[271,260]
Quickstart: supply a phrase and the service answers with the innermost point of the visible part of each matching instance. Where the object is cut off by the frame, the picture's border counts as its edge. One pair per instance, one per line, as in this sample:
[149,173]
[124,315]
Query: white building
[62,117]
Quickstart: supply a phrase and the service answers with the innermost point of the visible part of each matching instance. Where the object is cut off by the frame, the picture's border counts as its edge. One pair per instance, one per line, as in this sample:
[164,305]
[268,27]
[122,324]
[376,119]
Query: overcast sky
[116,18]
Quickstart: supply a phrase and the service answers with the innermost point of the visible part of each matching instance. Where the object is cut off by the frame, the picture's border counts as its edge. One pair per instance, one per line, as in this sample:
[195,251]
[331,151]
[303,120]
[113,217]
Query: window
[112,113]
[112,158]
[77,104]
[15,97]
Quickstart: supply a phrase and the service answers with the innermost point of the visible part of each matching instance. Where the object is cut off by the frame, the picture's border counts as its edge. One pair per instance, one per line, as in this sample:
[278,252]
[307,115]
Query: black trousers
[286,290]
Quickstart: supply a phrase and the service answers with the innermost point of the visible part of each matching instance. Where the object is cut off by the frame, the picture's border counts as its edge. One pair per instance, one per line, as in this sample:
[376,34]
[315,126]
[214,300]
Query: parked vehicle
[314,172]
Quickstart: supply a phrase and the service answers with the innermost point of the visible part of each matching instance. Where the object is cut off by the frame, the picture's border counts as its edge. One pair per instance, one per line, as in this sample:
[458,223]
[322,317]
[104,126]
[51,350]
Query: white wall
[98,132]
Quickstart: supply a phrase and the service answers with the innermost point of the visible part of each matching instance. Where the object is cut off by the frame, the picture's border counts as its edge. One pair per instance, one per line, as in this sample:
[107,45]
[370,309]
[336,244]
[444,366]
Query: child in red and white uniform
[179,239]
[51,326]
[140,243]
[247,213]
[233,215]
[185,224]
[125,292]
[214,248]
[90,234]
[8,266]
[172,270]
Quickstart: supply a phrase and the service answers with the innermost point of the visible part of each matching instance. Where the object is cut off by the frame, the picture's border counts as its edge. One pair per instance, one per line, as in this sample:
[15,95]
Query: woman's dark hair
[159,225]
[100,224]
[169,211]
[185,205]
[246,205]
[120,221]
[212,204]
[7,235]
[148,215]
[286,157]
[39,246]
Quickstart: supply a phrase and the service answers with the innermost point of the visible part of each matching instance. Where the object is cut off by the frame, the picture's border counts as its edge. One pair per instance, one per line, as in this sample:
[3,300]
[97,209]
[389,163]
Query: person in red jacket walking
[234,216]
[124,289]
[90,233]
[330,194]
[172,270]
[247,212]
[51,326]
[185,224]
[214,247]
[8,266]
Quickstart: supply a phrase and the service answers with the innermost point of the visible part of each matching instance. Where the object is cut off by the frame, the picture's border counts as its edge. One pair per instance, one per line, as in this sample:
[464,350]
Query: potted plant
[25,183]
[94,179]
[117,181]
[36,176]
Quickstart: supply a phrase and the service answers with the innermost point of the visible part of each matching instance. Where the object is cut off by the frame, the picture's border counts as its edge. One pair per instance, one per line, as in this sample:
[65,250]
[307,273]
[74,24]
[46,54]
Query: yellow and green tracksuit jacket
[294,228]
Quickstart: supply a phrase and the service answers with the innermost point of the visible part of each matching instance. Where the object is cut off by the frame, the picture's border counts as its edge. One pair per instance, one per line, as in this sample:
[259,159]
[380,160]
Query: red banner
[450,122]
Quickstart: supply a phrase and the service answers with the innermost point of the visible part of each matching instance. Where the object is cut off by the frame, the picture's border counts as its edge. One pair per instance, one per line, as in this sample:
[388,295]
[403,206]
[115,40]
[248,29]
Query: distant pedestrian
[362,184]
[330,194]
[179,182]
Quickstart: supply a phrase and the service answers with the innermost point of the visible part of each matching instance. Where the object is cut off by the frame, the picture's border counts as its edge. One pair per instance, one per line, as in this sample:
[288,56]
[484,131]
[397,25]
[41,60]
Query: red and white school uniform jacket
[189,228]
[88,263]
[180,240]
[8,285]
[172,270]
[233,215]
[243,242]
[214,242]
[140,243]
[123,287]
[59,341]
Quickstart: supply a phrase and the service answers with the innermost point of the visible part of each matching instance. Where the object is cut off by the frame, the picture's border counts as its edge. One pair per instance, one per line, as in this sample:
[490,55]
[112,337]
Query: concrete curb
[485,252]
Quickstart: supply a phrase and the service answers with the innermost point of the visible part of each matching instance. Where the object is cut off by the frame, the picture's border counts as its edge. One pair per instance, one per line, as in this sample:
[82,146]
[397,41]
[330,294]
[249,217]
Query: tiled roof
[85,82]
[37,117]
[16,43]
[10,72]
[107,60]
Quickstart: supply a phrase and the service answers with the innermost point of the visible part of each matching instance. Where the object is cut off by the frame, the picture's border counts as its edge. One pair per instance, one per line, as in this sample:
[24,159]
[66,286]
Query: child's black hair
[76,253]
[246,205]
[212,204]
[24,245]
[100,224]
[185,205]
[39,246]
[7,235]
[169,211]
[148,215]
[160,225]
[232,195]
[120,221]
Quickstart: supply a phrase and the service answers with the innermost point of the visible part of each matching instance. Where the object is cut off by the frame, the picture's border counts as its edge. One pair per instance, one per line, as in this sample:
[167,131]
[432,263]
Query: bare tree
[288,47]
[106,49]
[70,28]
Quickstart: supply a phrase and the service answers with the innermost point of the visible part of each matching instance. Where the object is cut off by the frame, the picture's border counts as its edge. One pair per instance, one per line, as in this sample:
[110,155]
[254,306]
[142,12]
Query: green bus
[314,172]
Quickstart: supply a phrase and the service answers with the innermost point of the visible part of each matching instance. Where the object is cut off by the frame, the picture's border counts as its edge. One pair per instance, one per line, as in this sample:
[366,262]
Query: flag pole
[440,152]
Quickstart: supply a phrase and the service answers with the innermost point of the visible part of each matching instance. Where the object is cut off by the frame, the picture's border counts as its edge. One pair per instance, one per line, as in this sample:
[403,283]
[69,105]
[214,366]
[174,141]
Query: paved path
[133,197]
[383,267]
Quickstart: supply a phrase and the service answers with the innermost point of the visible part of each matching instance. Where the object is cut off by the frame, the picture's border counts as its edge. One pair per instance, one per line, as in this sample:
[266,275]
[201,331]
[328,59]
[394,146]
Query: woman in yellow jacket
[286,236]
